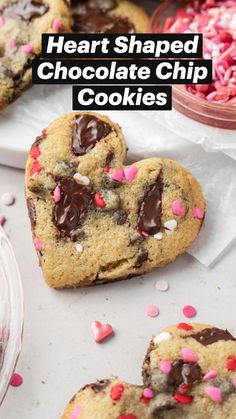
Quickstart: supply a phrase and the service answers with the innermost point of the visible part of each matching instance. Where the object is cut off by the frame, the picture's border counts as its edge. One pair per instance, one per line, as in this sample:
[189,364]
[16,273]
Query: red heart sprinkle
[107,169]
[35,168]
[129,416]
[16,380]
[183,399]
[35,152]
[101,331]
[185,326]
[144,400]
[231,364]
[116,392]
[99,201]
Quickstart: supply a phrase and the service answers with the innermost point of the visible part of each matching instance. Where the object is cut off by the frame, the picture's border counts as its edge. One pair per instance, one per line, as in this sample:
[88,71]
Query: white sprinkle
[79,247]
[161,337]
[170,226]
[158,236]
[7,199]
[84,180]
[162,285]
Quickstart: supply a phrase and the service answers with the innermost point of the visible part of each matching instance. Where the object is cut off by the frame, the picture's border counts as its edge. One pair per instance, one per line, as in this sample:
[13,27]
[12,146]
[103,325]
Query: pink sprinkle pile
[216,19]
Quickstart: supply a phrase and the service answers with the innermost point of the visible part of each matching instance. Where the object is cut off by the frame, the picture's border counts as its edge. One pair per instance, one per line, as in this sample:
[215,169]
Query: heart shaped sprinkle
[57,25]
[170,226]
[27,48]
[117,391]
[148,393]
[214,393]
[2,220]
[118,175]
[76,412]
[38,244]
[130,173]
[165,366]
[101,331]
[129,416]
[16,380]
[35,152]
[12,43]
[185,326]
[198,213]
[57,194]
[99,201]
[177,208]
[231,364]
[35,168]
[234,382]
[183,399]
[81,180]
[210,375]
[162,337]
[1,21]
[188,355]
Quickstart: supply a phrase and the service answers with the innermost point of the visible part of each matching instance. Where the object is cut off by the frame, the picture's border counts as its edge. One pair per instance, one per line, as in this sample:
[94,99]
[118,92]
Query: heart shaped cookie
[189,372]
[95,220]
[22,23]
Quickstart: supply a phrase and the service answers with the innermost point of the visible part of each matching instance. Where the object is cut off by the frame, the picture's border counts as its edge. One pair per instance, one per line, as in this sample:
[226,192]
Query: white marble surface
[59,354]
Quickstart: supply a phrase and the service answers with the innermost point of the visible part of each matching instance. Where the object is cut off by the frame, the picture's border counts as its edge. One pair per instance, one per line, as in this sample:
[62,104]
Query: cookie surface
[108,16]
[95,220]
[187,374]
[21,25]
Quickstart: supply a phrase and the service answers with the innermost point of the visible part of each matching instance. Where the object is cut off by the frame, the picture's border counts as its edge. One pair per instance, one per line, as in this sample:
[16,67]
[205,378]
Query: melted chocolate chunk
[183,373]
[25,10]
[88,130]
[99,385]
[141,259]
[209,336]
[70,213]
[38,141]
[109,159]
[166,407]
[93,16]
[31,212]
[150,211]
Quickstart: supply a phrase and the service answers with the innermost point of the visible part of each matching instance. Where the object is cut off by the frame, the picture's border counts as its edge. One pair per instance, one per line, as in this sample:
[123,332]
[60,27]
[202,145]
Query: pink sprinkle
[214,393]
[165,366]
[57,25]
[234,382]
[177,208]
[27,48]
[189,311]
[12,43]
[57,194]
[1,21]
[210,375]
[152,311]
[130,173]
[198,213]
[38,244]
[2,220]
[76,413]
[118,176]
[188,355]
[148,393]
[16,380]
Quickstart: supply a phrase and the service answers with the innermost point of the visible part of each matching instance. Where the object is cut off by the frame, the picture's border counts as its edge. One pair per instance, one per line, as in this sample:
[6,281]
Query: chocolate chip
[93,16]
[150,211]
[120,217]
[211,335]
[38,141]
[99,385]
[109,159]
[25,10]
[142,257]
[183,373]
[70,212]
[166,406]
[88,130]
[31,212]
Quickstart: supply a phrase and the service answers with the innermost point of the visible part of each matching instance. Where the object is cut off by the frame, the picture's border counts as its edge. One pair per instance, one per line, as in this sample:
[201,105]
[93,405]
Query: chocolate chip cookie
[189,372]
[108,17]
[95,220]
[21,25]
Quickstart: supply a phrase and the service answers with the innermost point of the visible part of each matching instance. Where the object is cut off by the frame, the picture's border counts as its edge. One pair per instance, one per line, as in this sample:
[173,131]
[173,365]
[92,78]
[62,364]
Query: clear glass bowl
[11,313]
[214,114]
